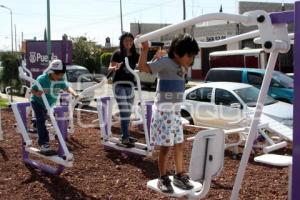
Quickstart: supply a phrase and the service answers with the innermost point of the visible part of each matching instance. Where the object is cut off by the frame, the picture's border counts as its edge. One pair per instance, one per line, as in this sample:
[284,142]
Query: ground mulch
[101,174]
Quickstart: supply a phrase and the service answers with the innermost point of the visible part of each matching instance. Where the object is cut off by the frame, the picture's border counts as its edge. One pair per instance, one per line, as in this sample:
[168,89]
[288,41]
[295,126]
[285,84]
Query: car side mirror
[236,105]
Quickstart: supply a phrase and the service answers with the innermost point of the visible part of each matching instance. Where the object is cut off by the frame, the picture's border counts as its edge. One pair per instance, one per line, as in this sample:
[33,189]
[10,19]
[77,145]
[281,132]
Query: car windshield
[250,95]
[79,75]
[283,79]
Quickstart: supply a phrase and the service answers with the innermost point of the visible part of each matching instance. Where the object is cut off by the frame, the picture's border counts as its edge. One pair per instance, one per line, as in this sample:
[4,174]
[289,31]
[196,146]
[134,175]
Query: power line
[116,17]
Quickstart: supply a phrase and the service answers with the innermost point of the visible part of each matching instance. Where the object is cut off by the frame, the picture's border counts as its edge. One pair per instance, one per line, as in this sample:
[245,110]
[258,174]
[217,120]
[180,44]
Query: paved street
[106,90]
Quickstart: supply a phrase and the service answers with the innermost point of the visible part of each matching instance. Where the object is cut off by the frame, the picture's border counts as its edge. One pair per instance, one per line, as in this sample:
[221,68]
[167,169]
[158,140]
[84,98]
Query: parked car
[281,87]
[222,104]
[80,78]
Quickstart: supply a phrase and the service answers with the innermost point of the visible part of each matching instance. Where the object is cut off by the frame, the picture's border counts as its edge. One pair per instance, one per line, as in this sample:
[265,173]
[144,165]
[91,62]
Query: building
[211,31]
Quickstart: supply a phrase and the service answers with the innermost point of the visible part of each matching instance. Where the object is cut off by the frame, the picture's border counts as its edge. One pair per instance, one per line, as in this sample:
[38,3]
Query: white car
[224,104]
[80,78]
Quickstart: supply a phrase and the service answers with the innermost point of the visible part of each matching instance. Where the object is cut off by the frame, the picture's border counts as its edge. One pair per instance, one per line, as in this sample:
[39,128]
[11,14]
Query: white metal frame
[206,162]
[142,103]
[76,101]
[274,40]
[109,140]
[112,142]
[27,141]
[281,161]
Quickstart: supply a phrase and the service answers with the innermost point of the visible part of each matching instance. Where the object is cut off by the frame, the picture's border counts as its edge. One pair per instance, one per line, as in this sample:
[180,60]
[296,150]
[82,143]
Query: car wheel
[187,116]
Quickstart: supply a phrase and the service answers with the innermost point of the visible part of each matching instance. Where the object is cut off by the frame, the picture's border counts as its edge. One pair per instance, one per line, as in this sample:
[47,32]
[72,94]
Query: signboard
[36,54]
[213,38]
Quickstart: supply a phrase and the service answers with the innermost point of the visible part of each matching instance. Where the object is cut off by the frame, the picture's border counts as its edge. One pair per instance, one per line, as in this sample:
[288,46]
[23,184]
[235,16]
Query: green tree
[105,59]
[10,75]
[86,53]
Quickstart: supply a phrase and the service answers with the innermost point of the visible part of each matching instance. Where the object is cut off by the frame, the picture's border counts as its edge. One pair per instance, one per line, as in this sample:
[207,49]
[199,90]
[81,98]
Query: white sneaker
[45,148]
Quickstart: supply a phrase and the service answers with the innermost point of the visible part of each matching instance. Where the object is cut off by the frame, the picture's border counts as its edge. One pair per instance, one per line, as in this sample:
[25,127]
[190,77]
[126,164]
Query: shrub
[10,74]
[105,59]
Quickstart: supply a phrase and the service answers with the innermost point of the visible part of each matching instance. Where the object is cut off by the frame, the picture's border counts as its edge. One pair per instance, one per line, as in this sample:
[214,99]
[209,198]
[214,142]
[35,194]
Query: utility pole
[49,48]
[16,38]
[184,14]
[121,17]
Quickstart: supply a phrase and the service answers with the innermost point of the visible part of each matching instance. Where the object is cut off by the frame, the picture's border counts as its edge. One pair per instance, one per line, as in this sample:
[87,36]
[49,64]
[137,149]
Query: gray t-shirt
[171,83]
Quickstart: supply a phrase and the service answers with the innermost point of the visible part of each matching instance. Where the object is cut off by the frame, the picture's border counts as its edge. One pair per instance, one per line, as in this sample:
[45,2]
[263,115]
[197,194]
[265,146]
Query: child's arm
[143,66]
[35,89]
[37,93]
[72,91]
[159,53]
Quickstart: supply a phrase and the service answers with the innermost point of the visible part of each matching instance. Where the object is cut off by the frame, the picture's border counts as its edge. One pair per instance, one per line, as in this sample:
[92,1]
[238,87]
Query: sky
[98,19]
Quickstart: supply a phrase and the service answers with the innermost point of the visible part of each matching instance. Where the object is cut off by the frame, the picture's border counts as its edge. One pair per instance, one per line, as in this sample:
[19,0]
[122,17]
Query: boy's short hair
[183,44]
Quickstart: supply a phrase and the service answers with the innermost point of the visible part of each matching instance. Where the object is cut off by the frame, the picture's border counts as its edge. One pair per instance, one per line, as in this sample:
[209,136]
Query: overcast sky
[98,19]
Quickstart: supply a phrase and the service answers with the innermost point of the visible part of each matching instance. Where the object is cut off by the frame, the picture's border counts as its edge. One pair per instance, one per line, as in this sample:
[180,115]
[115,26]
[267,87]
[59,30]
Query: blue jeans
[41,117]
[124,95]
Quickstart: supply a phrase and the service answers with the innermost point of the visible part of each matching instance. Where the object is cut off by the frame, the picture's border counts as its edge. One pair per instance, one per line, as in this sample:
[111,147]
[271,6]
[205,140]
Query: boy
[52,83]
[166,126]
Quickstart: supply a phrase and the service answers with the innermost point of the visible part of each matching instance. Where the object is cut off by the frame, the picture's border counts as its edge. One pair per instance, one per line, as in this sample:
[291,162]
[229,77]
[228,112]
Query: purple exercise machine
[60,125]
[60,159]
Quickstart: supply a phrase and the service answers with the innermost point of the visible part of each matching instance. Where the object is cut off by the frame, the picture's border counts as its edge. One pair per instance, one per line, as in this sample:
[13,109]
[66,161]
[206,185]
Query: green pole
[49,48]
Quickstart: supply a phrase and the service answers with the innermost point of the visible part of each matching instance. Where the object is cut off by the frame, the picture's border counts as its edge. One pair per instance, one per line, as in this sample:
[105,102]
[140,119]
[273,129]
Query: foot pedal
[124,145]
[48,153]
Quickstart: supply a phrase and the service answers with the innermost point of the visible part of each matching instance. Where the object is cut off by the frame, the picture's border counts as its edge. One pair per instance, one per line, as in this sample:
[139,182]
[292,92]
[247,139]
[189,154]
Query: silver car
[221,104]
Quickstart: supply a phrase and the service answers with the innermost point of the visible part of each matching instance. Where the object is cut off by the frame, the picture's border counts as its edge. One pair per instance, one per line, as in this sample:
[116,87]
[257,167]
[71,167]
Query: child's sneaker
[126,142]
[132,139]
[46,150]
[182,181]
[164,184]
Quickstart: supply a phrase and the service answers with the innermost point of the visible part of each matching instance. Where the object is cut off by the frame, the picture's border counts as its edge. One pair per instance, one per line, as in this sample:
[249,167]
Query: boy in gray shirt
[166,127]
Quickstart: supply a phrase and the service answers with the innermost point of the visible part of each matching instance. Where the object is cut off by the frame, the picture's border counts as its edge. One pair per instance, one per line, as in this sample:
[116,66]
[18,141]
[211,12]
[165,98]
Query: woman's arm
[114,66]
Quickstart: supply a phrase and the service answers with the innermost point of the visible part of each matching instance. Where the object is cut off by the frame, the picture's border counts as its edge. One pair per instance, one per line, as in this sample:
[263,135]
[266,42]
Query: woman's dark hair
[183,44]
[122,49]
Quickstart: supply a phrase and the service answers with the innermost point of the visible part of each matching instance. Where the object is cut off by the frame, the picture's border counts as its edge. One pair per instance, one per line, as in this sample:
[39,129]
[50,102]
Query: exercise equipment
[60,125]
[272,35]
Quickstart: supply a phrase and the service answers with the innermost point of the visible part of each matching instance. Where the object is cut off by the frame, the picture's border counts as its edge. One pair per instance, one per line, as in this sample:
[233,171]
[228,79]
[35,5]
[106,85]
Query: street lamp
[121,17]
[49,47]
[11,27]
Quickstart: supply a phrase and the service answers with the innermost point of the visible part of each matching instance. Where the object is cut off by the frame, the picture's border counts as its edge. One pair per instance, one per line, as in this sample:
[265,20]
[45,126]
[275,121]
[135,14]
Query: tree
[10,75]
[105,59]
[86,53]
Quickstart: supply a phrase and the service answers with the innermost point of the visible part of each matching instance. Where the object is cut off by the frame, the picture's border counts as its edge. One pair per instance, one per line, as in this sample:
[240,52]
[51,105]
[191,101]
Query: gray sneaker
[126,142]
[46,150]
[182,181]
[164,184]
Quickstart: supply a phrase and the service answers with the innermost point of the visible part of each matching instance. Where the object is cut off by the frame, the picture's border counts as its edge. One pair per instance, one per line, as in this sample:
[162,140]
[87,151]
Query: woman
[123,83]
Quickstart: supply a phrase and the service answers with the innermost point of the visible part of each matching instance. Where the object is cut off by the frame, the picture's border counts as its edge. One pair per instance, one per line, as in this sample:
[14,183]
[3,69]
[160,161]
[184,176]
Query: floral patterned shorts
[166,128]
